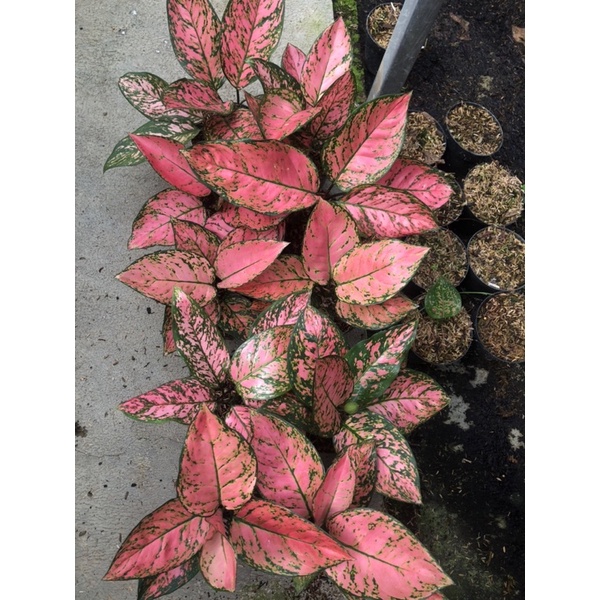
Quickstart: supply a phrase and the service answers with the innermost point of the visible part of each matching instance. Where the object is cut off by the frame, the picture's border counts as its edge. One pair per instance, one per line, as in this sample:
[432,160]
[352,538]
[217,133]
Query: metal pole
[414,23]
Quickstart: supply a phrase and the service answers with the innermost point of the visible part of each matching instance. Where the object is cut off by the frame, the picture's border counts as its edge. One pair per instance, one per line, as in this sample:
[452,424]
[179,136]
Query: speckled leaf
[272,78]
[156,586]
[237,315]
[196,37]
[244,217]
[374,272]
[327,60]
[268,177]
[152,226]
[199,341]
[259,365]
[239,125]
[218,468]
[179,400]
[431,186]
[156,275]
[375,316]
[161,541]
[243,234]
[329,234]
[388,562]
[368,143]
[278,118]
[285,276]
[218,561]
[410,400]
[167,332]
[239,419]
[332,387]
[292,61]
[363,457]
[283,312]
[195,98]
[190,237]
[273,539]
[337,490]
[164,157]
[397,475]
[251,29]
[290,409]
[218,225]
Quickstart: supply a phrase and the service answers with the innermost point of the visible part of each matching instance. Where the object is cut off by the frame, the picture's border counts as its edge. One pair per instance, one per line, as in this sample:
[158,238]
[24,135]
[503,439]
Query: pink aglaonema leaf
[272,78]
[431,186]
[239,418]
[274,539]
[251,29]
[329,234]
[327,60]
[156,275]
[164,157]
[237,315]
[368,143]
[156,586]
[283,312]
[179,400]
[218,468]
[268,177]
[161,541]
[374,272]
[337,490]
[411,399]
[314,336]
[244,217]
[218,225]
[290,408]
[243,234]
[382,212]
[279,118]
[285,276]
[292,61]
[332,387]
[190,237]
[199,341]
[239,125]
[397,475]
[196,98]
[167,332]
[218,561]
[259,365]
[196,36]
[363,457]
[152,226]
[237,264]
[375,316]
[388,563]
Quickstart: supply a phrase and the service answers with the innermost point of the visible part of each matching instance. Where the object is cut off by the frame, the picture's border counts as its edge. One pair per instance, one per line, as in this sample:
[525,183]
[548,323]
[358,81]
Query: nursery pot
[425,138]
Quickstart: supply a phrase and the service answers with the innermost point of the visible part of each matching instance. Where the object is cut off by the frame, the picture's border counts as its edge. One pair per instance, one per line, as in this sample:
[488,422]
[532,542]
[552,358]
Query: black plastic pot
[440,130]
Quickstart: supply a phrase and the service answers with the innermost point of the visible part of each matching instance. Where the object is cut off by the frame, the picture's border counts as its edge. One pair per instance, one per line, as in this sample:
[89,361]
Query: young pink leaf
[410,400]
[328,59]
[251,29]
[279,118]
[363,457]
[161,541]
[274,78]
[217,468]
[244,217]
[329,234]
[368,143]
[431,186]
[332,387]
[196,37]
[374,272]
[156,275]
[292,61]
[218,225]
[375,316]
[239,418]
[164,157]
[388,563]
[199,341]
[274,539]
[196,98]
[152,226]
[218,561]
[337,490]
[283,312]
[387,213]
[179,400]
[190,237]
[259,365]
[239,125]
[268,177]
[237,315]
[167,332]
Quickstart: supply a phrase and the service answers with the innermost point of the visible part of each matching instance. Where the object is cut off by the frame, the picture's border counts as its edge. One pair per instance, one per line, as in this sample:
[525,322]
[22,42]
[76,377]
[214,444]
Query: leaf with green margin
[337,490]
[218,561]
[290,409]
[150,588]
[191,237]
[282,312]
[273,78]
[363,456]
[292,61]
[375,316]
[237,315]
[195,98]
[239,125]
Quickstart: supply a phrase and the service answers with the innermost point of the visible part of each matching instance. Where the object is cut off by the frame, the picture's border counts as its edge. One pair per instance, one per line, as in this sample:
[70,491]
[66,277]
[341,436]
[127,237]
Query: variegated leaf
[397,474]
[332,387]
[337,490]
[251,29]
[218,468]
[156,586]
[268,177]
[164,157]
[368,143]
[239,418]
[195,98]
[292,61]
[179,400]
[290,409]
[218,225]
[388,563]
[161,541]
[190,237]
[374,272]
[375,316]
[327,60]
[329,234]
[259,365]
[239,125]
[279,118]
[167,331]
[244,217]
[237,315]
[283,312]
[411,399]
[243,234]
[273,78]
[199,341]
[218,561]
[274,539]
[156,275]
[363,457]
[196,37]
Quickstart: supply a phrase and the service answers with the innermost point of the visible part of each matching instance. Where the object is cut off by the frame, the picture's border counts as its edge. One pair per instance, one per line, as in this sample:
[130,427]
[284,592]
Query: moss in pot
[451,210]
[425,140]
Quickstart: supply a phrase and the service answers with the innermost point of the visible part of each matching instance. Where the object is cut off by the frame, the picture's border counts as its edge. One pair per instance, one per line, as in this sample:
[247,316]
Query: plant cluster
[299,157]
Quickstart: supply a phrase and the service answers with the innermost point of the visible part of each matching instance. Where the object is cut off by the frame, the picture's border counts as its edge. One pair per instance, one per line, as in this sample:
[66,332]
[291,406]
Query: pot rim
[369,15]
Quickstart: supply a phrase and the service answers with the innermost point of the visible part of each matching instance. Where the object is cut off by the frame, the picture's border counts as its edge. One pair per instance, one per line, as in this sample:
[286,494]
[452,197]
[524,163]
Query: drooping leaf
[243,217]
[279,118]
[218,561]
[363,457]
[283,312]
[268,177]
[239,125]
[292,61]
[375,316]
[368,143]
[161,541]
[337,490]
[272,78]
[388,563]
[156,275]
[251,29]
[179,400]
[190,237]
[156,586]
[273,539]
[374,272]
[196,36]
[195,98]
[237,315]
[164,157]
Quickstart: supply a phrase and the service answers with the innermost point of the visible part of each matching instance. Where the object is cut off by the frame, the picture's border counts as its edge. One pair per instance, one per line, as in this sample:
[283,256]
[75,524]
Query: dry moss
[474,128]
[450,211]
[381,22]
[424,141]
